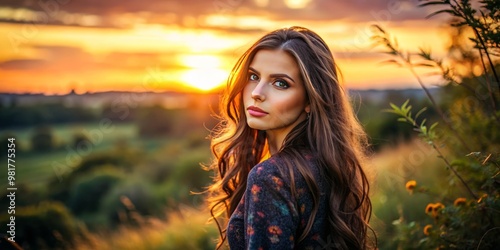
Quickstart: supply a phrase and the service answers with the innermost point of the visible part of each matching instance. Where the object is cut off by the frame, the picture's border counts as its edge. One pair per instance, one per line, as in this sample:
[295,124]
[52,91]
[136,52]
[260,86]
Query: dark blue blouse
[268,217]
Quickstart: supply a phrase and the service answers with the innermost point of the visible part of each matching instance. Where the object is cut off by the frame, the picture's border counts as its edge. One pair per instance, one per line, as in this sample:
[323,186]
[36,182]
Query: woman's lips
[256,112]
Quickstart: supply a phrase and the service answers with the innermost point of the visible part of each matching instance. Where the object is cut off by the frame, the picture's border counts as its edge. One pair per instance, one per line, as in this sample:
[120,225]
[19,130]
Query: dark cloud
[176,10]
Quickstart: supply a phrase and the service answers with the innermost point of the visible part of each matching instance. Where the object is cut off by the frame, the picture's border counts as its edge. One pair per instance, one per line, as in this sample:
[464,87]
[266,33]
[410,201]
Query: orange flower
[459,201]
[427,229]
[410,186]
[438,206]
[433,209]
[429,208]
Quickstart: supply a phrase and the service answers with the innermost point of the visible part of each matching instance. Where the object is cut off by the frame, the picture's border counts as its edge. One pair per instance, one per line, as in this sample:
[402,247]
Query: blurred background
[111,103]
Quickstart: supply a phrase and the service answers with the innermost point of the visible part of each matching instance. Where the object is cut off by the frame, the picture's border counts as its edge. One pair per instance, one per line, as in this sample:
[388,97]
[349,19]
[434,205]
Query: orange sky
[91,46]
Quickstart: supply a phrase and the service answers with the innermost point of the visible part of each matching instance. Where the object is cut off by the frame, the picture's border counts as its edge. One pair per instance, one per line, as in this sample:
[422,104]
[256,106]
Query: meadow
[133,185]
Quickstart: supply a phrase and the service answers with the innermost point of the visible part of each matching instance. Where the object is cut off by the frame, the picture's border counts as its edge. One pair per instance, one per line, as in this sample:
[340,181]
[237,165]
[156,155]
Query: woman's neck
[274,141]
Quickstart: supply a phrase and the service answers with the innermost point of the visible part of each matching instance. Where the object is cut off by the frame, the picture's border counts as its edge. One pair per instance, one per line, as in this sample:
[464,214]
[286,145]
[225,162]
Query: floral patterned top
[269,217]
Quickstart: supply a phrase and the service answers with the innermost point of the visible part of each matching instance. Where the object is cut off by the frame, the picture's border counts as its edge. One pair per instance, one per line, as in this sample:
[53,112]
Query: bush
[123,160]
[129,202]
[48,225]
[87,193]
[156,121]
[42,139]
[466,214]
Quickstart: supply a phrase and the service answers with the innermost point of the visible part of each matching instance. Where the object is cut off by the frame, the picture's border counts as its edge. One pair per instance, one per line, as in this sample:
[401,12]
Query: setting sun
[204,72]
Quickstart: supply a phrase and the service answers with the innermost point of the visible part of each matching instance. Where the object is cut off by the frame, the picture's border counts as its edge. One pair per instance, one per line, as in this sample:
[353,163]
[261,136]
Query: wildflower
[433,209]
[459,201]
[410,185]
[438,206]
[427,229]
[429,208]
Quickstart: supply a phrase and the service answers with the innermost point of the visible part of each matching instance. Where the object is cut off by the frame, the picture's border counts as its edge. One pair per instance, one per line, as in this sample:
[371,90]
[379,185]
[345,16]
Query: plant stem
[454,171]
[438,109]
[488,82]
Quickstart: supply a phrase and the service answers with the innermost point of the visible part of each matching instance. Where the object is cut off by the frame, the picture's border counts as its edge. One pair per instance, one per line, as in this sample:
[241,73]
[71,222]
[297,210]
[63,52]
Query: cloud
[22,64]
[76,60]
[122,13]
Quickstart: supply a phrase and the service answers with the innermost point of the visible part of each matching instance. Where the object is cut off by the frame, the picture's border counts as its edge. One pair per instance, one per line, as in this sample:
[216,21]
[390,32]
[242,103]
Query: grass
[186,228]
[36,168]
[392,203]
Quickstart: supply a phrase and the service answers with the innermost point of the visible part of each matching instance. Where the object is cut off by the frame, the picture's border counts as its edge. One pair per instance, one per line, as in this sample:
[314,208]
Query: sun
[203,72]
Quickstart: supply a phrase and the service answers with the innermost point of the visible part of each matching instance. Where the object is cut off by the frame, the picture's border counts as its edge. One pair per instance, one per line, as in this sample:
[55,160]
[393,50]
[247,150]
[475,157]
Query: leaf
[394,106]
[423,65]
[405,103]
[431,3]
[441,11]
[378,28]
[425,54]
[423,122]
[402,119]
[423,128]
[420,112]
[433,125]
[392,61]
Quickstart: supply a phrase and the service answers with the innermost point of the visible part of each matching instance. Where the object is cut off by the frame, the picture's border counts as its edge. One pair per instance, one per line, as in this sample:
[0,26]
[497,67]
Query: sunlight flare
[204,71]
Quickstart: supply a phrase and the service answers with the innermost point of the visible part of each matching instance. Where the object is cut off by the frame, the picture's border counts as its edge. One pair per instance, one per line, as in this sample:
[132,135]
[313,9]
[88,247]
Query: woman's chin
[255,125]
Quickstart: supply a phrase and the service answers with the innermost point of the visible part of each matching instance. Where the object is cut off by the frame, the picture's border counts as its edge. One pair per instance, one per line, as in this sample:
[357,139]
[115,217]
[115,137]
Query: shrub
[48,225]
[87,193]
[465,215]
[42,139]
[123,160]
[129,202]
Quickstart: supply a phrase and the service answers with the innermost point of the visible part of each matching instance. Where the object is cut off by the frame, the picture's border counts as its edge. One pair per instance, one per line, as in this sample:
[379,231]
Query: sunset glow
[204,72]
[92,49]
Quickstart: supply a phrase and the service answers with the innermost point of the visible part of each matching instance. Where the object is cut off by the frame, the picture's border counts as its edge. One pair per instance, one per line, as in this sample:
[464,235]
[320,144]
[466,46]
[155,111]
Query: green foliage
[42,139]
[50,113]
[79,139]
[467,213]
[48,225]
[404,111]
[123,160]
[156,121]
[87,193]
[126,203]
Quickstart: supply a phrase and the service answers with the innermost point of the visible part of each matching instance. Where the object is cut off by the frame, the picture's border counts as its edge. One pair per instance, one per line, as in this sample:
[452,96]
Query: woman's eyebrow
[275,75]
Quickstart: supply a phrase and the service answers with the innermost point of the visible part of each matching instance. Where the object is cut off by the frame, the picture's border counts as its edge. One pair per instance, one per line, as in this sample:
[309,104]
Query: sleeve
[271,218]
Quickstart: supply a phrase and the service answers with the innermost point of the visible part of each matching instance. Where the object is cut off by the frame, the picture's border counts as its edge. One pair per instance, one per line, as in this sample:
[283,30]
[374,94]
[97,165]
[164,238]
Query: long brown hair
[332,133]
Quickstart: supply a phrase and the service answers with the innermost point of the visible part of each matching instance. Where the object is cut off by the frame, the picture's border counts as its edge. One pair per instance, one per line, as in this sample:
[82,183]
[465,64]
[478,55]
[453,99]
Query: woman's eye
[253,77]
[281,84]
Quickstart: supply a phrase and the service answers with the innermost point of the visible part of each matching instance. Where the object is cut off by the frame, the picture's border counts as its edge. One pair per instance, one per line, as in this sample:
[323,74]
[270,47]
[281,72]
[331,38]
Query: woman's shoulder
[278,166]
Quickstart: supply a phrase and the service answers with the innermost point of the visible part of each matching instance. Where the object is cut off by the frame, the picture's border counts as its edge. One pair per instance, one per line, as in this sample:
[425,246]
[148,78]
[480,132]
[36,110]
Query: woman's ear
[308,108]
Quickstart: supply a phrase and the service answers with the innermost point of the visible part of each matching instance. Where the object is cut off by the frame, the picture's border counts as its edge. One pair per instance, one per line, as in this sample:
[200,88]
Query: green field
[35,168]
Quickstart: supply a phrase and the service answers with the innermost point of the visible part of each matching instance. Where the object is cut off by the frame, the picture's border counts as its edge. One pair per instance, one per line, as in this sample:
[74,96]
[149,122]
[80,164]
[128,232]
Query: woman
[289,152]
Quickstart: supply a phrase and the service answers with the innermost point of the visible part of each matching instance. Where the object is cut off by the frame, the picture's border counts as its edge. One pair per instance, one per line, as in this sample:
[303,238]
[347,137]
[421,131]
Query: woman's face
[274,96]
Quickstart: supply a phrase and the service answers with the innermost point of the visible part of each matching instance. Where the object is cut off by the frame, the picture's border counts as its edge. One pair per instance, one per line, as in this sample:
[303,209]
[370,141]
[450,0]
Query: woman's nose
[258,91]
